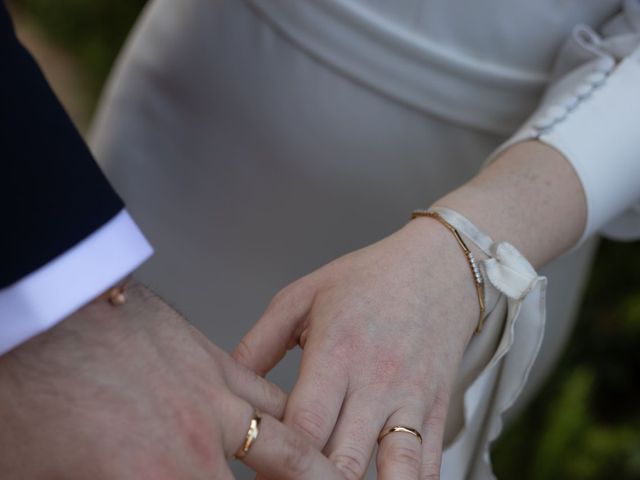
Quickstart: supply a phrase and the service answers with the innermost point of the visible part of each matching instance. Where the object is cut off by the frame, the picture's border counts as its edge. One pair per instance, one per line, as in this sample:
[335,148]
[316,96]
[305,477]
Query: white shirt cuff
[54,291]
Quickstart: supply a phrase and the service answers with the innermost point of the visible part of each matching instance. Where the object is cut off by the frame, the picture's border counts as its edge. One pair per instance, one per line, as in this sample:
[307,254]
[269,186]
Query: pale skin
[384,328]
[134,392]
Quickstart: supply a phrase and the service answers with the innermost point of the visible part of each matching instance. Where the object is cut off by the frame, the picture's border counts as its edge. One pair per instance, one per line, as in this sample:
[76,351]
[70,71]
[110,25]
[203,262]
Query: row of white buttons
[559,110]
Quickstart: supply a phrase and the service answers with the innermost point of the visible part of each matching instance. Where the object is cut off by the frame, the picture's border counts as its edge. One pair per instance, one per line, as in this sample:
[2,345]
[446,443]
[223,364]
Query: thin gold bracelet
[477,277]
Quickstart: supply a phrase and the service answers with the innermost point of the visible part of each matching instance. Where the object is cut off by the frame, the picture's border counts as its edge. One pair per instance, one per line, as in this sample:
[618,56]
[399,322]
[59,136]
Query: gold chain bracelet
[477,277]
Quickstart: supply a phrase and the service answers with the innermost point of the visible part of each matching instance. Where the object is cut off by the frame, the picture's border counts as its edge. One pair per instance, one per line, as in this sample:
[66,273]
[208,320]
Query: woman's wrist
[530,196]
[449,281]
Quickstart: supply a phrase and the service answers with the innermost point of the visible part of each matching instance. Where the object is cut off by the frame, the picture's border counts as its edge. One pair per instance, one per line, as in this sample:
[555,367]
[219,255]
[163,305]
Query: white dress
[254,141]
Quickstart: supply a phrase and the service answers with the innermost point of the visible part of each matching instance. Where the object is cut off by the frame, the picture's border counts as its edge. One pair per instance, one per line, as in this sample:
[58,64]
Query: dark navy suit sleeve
[52,193]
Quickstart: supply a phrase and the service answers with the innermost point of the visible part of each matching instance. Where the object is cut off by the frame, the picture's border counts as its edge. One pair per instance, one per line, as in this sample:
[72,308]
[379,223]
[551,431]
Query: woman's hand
[383,331]
[134,392]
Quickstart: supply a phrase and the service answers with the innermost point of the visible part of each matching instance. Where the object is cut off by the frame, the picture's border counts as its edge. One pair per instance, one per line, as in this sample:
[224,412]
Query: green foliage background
[585,423]
[92,30]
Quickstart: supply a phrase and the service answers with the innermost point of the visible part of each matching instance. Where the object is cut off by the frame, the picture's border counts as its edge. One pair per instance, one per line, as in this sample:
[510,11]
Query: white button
[605,65]
[556,112]
[584,90]
[544,122]
[569,102]
[596,78]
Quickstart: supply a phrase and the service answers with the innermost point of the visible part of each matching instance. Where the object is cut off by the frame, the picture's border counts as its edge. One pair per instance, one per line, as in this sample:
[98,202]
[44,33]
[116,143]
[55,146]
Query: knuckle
[440,406]
[431,471]
[310,422]
[243,352]
[435,424]
[298,457]
[352,463]
[275,399]
[280,299]
[244,355]
[438,412]
[408,457]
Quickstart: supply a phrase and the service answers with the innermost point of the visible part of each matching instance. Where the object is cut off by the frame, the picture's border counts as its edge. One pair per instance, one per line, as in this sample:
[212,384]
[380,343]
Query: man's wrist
[115,295]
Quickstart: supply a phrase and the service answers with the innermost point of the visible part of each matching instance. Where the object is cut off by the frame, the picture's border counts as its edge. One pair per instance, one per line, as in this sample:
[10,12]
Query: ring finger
[272,449]
[400,445]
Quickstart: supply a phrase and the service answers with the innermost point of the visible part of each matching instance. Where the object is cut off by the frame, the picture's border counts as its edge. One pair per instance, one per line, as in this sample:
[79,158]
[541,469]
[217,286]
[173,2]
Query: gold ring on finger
[400,429]
[251,436]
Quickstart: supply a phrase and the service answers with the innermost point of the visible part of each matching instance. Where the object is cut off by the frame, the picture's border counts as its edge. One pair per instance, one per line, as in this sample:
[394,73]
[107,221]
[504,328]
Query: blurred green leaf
[585,422]
[92,30]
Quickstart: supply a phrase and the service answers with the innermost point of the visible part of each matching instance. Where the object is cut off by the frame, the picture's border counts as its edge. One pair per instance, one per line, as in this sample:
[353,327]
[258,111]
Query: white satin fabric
[516,296]
[478,64]
[589,114]
[254,141]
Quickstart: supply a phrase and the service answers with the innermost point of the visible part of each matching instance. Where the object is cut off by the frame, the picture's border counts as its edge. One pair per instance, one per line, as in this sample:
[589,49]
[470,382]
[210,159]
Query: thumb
[278,329]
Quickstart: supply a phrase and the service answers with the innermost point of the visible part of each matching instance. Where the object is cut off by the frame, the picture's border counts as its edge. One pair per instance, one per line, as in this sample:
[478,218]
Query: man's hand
[134,392]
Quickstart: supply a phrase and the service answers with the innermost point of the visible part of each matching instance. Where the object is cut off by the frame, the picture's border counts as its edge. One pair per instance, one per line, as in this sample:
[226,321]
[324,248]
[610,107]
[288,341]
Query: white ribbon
[509,271]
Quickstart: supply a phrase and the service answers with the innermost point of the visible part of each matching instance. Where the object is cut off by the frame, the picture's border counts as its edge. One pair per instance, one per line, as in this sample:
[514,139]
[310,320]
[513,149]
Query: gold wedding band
[252,434]
[401,429]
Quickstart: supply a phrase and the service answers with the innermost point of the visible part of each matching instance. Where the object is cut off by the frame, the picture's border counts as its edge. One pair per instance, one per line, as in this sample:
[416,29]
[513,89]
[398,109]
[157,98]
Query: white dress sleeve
[38,301]
[590,113]
[507,348]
